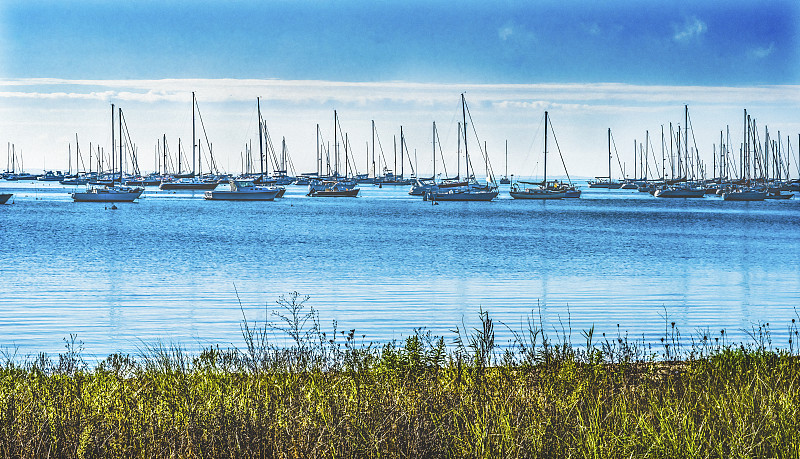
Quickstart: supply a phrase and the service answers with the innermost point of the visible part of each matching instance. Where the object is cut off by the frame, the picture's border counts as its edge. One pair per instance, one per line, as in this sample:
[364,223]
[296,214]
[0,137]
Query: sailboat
[79,178]
[335,185]
[111,193]
[681,188]
[504,180]
[543,189]
[247,190]
[192,182]
[4,197]
[424,185]
[609,184]
[469,190]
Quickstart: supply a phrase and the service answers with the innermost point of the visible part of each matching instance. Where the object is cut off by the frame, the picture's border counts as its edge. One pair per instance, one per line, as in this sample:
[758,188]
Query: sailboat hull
[352,193]
[745,196]
[679,193]
[108,195]
[4,197]
[188,186]
[538,194]
[266,195]
[610,186]
[462,196]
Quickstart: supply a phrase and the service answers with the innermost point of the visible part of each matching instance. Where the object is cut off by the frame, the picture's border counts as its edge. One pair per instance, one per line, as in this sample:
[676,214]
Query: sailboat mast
[194,138]
[744,160]
[663,164]
[374,175]
[260,139]
[609,155]
[546,119]
[466,150]
[458,156]
[686,137]
[120,145]
[433,139]
[335,144]
[402,156]
[113,143]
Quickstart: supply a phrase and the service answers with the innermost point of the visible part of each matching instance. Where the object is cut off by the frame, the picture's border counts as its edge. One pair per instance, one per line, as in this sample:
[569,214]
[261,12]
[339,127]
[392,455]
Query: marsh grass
[295,390]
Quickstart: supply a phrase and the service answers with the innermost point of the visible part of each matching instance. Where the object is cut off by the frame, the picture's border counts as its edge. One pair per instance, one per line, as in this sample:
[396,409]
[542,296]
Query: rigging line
[351,157]
[289,162]
[441,153]
[169,157]
[480,148]
[270,148]
[653,152]
[213,165]
[559,153]
[327,151]
[408,155]
[796,163]
[131,146]
[664,150]
[78,152]
[694,140]
[380,147]
[530,147]
[616,153]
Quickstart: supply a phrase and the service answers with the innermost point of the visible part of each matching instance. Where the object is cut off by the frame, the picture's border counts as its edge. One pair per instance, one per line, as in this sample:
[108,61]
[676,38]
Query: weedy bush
[295,390]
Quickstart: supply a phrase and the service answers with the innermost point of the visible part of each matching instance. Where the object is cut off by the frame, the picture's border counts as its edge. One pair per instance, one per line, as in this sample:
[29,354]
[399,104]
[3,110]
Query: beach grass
[330,394]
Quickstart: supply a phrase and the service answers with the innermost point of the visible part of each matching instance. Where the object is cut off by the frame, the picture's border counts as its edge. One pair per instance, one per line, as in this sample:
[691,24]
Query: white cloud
[761,52]
[506,31]
[302,92]
[691,29]
[292,108]
[592,28]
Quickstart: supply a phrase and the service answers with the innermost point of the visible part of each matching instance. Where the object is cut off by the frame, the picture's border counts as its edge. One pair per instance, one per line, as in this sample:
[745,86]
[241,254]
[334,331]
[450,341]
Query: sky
[625,65]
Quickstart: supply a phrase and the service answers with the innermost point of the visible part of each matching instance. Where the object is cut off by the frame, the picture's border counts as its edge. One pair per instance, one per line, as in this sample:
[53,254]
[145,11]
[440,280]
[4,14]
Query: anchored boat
[112,192]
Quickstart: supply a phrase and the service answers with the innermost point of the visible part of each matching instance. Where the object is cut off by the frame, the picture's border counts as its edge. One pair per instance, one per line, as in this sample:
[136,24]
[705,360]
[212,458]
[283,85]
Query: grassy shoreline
[327,395]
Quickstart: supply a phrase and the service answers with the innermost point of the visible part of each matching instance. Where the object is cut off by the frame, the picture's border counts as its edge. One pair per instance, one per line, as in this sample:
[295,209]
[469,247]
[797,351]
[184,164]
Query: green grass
[327,395]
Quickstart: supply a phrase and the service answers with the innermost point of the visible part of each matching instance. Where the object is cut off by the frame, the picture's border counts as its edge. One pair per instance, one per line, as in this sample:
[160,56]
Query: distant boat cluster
[759,174]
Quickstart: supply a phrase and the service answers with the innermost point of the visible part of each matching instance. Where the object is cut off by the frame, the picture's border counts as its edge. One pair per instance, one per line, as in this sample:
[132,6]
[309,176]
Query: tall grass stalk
[294,390]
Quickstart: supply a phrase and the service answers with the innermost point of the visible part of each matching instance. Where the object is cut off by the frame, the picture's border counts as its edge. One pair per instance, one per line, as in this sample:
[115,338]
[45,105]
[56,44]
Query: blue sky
[642,42]
[630,66]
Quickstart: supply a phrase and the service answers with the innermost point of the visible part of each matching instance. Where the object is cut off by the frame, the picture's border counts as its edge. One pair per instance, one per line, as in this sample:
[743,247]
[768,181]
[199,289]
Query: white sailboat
[248,190]
[543,189]
[470,190]
[244,190]
[683,188]
[110,193]
[606,182]
[193,181]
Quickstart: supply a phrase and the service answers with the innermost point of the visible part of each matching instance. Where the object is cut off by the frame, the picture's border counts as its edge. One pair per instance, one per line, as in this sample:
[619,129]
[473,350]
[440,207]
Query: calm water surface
[384,263]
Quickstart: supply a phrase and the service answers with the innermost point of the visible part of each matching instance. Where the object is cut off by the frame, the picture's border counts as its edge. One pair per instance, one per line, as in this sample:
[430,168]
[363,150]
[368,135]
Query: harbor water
[176,269]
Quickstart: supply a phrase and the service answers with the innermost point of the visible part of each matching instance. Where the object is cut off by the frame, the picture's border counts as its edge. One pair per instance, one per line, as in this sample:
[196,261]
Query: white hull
[537,194]
[108,195]
[268,195]
[745,196]
[462,196]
